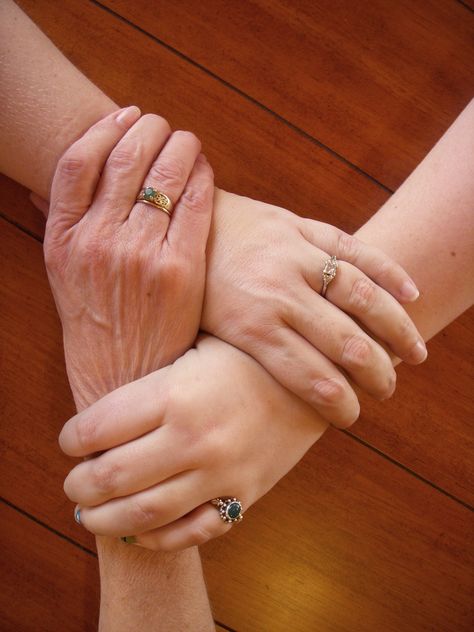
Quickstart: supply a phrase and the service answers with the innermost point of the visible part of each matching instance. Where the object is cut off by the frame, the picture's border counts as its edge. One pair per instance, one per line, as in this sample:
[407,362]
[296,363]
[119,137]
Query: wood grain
[248,159]
[347,541]
[350,540]
[48,583]
[376,81]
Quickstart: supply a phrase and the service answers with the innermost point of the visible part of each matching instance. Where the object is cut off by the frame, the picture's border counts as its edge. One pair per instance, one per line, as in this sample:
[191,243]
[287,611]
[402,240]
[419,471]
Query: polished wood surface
[322,109]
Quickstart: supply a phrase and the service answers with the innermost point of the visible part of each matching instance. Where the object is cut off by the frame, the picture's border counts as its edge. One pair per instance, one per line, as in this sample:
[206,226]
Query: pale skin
[440,189]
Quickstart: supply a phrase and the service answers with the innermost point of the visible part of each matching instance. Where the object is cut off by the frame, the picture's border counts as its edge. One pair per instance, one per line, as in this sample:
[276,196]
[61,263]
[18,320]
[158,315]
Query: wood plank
[49,584]
[251,151]
[336,194]
[377,82]
[430,435]
[347,541]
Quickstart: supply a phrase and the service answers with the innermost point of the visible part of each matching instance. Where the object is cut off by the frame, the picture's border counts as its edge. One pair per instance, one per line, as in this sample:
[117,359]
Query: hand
[264,279]
[193,431]
[128,281]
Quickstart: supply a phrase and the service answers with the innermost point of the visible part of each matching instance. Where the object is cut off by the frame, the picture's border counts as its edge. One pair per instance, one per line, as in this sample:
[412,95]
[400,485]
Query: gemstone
[233,510]
[149,193]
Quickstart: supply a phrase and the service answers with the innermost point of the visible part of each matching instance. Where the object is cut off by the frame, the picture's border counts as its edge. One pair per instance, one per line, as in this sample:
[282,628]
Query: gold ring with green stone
[158,199]
[230,509]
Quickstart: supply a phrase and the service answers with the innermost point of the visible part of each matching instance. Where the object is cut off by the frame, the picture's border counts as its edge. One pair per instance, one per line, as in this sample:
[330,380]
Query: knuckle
[86,434]
[329,390]
[348,247]
[104,477]
[196,199]
[356,352]
[72,165]
[141,515]
[363,294]
[124,158]
[168,171]
[201,534]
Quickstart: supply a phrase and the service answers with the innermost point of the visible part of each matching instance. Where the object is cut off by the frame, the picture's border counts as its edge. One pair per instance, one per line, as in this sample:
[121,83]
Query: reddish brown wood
[347,541]
[376,81]
[48,583]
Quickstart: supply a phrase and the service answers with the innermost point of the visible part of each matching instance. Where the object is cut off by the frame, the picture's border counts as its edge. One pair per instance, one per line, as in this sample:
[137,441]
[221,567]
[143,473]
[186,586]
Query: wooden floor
[324,106]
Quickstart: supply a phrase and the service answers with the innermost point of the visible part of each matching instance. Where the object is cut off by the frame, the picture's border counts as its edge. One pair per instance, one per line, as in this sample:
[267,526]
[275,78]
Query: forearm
[428,227]
[413,226]
[46,102]
[157,591]
[47,105]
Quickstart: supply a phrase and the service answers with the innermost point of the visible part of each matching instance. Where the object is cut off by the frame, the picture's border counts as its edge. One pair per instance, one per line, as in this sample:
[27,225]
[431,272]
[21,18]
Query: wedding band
[155,198]
[329,273]
[230,509]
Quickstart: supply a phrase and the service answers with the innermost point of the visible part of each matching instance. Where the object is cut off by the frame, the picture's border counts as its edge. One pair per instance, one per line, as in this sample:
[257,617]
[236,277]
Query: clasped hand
[129,287]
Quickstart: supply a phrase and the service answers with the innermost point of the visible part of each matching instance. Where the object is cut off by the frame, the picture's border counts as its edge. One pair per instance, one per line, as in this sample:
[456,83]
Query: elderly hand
[264,279]
[128,281]
[214,424]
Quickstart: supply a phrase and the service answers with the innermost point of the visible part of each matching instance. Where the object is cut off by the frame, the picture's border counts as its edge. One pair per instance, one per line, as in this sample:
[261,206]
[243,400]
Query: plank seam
[465,5]
[46,526]
[408,470]
[246,96]
[24,229]
[346,432]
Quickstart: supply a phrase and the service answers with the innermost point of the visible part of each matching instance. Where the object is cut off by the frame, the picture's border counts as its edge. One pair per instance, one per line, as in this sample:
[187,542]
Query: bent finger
[191,221]
[78,170]
[198,527]
[122,415]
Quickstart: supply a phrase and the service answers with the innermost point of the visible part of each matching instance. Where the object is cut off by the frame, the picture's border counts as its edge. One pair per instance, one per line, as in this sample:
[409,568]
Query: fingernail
[419,353]
[202,159]
[128,115]
[77,515]
[129,539]
[409,291]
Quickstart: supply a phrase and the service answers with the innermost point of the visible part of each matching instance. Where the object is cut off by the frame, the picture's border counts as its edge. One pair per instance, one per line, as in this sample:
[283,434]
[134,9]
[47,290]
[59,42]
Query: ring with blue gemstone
[230,509]
[156,198]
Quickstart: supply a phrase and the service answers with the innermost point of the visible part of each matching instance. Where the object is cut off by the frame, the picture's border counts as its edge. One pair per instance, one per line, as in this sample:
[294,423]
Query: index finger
[79,168]
[120,416]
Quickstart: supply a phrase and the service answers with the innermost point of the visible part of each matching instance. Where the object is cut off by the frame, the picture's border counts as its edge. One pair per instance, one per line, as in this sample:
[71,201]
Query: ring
[230,509]
[155,198]
[329,273]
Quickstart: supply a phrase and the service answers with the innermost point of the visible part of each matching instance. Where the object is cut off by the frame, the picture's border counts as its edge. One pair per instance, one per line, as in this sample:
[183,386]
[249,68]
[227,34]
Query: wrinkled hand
[264,280]
[212,424]
[128,281]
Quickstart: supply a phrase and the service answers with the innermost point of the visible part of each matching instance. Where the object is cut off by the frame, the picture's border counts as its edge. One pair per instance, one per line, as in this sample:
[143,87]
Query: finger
[78,170]
[149,509]
[384,317]
[41,205]
[191,220]
[341,340]
[198,527]
[128,468]
[371,260]
[169,174]
[124,414]
[126,168]
[307,373]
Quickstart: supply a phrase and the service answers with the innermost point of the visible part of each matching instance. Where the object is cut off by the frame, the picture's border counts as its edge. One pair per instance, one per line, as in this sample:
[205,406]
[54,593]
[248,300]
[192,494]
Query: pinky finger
[377,265]
[196,528]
